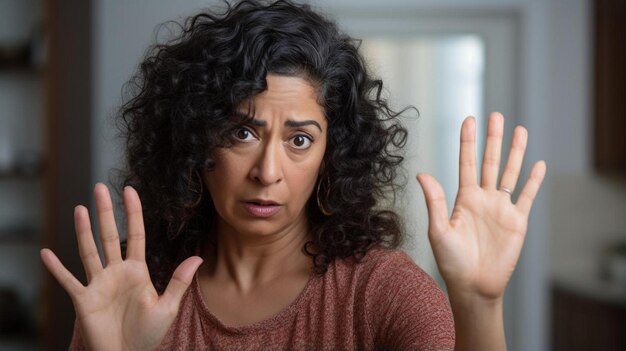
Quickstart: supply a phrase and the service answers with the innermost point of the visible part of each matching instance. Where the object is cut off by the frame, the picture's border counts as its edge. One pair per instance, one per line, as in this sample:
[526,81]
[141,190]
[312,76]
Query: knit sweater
[384,302]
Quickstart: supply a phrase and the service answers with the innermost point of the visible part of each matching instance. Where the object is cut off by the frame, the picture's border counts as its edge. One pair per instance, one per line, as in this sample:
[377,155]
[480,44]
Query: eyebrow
[288,123]
[307,122]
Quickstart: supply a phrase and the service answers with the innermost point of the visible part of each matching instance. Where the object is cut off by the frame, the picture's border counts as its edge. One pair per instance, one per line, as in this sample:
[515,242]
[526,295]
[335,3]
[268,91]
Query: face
[261,184]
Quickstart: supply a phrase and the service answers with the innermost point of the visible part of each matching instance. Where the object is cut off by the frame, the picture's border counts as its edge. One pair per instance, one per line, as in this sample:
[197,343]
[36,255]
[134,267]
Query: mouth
[260,202]
[262,208]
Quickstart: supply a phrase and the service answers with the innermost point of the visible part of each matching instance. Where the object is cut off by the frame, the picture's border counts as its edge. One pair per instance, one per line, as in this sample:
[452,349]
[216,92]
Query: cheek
[304,179]
[226,174]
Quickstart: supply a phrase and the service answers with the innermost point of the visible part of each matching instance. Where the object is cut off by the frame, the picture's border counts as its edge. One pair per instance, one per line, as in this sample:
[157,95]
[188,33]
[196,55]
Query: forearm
[478,323]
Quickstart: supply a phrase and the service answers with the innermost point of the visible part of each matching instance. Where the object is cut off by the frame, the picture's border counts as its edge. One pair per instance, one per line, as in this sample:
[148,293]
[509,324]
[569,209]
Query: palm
[478,246]
[121,297]
[119,308]
[485,235]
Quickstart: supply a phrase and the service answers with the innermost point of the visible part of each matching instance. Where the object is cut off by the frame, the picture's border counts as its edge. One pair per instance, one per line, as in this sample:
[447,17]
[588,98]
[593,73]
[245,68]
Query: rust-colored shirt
[384,302]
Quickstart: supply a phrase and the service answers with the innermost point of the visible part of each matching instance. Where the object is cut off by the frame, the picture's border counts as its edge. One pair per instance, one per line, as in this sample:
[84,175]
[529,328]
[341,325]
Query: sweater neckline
[279,319]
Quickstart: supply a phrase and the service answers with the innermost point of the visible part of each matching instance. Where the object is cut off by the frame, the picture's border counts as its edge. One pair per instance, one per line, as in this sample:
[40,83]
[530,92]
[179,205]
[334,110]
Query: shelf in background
[19,235]
[21,69]
[18,59]
[13,174]
[31,170]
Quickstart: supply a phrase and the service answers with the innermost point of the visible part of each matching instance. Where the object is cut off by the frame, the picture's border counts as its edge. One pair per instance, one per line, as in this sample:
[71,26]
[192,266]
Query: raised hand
[477,248]
[119,309]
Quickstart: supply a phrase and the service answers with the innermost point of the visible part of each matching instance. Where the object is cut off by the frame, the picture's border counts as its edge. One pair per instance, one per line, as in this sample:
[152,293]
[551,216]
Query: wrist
[474,300]
[478,321]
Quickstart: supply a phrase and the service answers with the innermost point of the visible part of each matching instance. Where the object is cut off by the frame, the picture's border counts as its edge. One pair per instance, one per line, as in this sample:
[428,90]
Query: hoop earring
[199,192]
[319,202]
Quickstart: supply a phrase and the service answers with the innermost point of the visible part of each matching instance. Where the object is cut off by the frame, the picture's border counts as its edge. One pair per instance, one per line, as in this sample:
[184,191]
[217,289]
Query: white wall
[554,101]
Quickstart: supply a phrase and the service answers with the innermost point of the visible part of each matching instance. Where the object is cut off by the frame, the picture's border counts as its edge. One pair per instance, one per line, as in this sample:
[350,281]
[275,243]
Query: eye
[243,134]
[301,142]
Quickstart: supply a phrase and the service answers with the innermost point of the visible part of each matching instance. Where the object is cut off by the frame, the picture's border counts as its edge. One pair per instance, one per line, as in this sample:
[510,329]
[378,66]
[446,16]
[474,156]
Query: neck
[250,260]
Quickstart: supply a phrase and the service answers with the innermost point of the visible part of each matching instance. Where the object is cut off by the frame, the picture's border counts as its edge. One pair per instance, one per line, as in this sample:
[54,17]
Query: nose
[267,169]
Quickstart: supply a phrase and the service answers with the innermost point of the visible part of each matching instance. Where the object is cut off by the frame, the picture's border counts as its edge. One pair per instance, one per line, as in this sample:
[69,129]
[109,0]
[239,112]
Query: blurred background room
[558,67]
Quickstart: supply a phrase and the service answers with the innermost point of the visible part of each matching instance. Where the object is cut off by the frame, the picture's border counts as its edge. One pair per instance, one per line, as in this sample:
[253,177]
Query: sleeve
[407,310]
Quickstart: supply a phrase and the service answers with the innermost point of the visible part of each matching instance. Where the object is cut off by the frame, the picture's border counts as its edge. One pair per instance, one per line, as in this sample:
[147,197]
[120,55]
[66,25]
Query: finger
[436,204]
[71,285]
[135,235]
[86,245]
[467,158]
[181,279]
[106,220]
[510,175]
[527,196]
[493,148]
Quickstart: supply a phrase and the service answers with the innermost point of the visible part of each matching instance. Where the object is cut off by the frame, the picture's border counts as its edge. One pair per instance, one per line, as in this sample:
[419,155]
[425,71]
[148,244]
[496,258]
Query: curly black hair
[181,107]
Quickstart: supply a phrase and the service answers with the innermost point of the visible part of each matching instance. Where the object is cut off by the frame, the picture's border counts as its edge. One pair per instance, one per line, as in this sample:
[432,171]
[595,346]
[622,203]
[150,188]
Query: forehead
[286,97]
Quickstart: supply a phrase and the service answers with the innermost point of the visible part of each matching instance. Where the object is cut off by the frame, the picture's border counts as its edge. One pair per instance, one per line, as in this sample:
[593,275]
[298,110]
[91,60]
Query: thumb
[181,279]
[436,204]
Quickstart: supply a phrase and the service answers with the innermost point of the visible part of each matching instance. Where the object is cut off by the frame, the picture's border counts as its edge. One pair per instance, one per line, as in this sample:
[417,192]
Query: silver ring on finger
[506,190]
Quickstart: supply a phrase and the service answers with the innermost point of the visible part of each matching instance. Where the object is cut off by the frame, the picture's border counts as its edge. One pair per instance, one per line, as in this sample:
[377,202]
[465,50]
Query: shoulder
[391,266]
[394,269]
[406,309]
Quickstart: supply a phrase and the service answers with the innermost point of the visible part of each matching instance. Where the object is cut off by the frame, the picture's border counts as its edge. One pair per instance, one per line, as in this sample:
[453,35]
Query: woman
[262,151]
